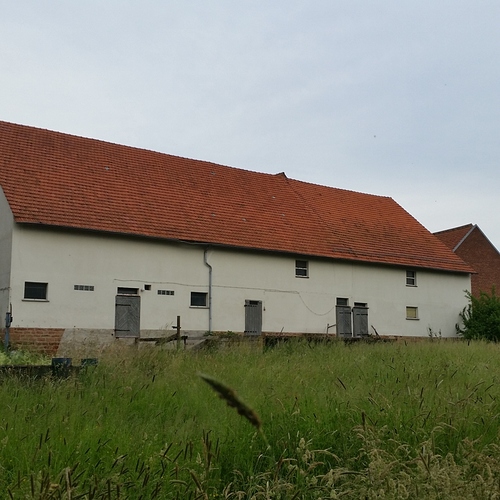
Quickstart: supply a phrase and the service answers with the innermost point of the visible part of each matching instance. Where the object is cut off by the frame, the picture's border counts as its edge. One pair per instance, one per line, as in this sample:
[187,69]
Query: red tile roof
[56,179]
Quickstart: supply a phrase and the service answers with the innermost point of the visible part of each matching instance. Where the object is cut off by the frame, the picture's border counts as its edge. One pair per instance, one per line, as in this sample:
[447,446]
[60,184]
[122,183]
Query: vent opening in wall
[84,288]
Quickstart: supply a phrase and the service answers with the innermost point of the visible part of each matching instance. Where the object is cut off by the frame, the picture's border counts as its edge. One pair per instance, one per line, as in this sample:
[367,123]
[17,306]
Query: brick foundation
[42,340]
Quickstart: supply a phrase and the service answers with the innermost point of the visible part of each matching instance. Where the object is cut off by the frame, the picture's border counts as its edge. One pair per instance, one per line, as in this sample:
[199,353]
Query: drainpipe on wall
[209,289]
[8,322]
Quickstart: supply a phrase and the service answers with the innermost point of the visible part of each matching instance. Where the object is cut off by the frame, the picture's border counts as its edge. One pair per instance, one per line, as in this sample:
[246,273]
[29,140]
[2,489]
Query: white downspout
[209,289]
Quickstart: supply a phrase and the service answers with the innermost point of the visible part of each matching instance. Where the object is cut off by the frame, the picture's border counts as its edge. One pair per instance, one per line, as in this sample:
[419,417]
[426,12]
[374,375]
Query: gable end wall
[477,251]
[6,227]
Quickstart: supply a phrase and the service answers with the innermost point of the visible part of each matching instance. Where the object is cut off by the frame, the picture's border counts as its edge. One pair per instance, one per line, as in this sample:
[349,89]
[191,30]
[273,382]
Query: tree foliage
[481,317]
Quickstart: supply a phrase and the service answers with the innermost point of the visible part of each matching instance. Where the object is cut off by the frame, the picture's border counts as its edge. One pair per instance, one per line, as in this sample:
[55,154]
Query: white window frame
[301,268]
[199,294]
[411,277]
[37,299]
[412,313]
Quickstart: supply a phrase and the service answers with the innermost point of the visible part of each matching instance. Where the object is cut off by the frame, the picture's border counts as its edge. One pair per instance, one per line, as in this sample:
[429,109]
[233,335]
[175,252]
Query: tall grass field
[298,421]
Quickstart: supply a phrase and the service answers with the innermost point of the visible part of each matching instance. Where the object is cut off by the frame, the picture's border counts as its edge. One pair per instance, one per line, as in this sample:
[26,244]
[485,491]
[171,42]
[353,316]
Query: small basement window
[301,269]
[123,290]
[165,292]
[411,312]
[199,299]
[35,291]
[411,278]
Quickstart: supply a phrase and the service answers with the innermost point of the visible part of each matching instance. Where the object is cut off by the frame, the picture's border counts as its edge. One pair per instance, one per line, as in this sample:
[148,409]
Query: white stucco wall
[308,304]
[290,304]
[63,260]
[6,224]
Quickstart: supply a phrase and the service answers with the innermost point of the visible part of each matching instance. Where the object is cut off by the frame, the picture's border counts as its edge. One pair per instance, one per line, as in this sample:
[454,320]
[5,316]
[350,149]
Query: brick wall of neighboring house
[43,340]
[478,252]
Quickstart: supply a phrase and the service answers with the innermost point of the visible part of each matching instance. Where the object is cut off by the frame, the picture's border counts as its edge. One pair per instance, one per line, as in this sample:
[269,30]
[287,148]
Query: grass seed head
[232,400]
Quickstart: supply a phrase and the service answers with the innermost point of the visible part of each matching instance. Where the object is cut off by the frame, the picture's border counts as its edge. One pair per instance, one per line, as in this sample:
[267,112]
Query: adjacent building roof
[55,179]
[455,236]
[474,248]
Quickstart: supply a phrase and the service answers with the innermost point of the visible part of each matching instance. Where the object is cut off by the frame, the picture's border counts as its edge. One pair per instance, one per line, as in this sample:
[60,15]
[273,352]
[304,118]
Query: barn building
[101,242]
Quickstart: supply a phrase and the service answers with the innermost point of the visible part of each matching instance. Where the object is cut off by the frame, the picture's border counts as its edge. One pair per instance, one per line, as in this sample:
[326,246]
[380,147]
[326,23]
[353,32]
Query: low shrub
[481,317]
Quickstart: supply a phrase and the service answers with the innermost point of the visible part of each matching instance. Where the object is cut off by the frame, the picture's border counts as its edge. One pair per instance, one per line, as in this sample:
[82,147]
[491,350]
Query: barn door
[253,317]
[127,316]
[343,317]
[344,327]
[360,319]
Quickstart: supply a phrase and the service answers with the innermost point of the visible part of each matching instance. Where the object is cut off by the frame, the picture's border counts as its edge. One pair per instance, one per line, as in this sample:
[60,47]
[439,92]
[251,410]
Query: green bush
[481,318]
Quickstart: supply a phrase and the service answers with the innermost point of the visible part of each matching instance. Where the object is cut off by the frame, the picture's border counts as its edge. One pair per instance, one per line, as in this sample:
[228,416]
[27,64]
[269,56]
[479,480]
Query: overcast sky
[390,97]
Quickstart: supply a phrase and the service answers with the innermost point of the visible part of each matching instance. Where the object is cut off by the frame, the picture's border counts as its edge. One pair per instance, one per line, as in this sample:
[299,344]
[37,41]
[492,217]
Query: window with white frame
[411,312]
[301,269]
[411,278]
[35,290]
[199,299]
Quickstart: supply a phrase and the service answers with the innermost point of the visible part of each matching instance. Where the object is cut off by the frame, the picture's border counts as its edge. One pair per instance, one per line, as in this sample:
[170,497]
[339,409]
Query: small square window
[147,287]
[35,291]
[199,299]
[301,269]
[411,278]
[411,312]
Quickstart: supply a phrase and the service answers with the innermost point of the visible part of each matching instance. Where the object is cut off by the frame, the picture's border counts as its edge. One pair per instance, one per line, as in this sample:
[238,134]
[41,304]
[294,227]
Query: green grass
[22,358]
[363,421]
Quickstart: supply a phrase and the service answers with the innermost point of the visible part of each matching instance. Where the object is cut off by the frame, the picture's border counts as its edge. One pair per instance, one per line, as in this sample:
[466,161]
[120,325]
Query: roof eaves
[344,255]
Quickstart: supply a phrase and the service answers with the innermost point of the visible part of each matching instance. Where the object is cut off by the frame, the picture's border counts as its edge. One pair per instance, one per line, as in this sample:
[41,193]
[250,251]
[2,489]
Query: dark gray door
[344,326]
[127,316]
[360,320]
[253,317]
